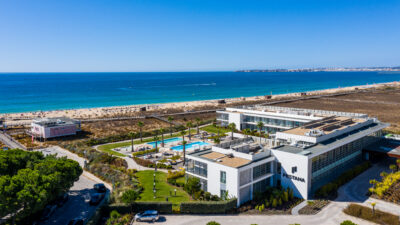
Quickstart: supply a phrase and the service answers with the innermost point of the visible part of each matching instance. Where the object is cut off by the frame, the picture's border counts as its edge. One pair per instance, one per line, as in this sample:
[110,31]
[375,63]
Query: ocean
[23,92]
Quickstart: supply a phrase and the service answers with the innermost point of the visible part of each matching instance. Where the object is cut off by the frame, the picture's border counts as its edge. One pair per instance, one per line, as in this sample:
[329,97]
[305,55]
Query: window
[278,168]
[223,177]
[261,170]
[224,194]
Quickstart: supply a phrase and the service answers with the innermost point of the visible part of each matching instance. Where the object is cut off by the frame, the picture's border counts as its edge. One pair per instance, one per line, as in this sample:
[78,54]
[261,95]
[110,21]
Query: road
[79,194]
[352,192]
[7,140]
[77,205]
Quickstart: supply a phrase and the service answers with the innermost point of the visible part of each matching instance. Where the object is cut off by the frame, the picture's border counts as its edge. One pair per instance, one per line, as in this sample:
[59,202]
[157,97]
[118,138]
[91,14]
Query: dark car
[100,187]
[77,221]
[47,212]
[62,199]
[96,198]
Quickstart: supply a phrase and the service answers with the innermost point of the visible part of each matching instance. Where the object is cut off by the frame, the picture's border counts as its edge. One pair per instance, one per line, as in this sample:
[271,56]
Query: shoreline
[104,112]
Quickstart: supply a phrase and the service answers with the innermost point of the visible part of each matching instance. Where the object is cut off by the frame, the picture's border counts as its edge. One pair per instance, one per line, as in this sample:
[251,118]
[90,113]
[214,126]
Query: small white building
[240,167]
[54,127]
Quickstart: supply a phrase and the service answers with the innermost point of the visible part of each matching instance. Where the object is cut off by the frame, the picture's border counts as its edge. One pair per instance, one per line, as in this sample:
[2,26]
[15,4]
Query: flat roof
[322,146]
[326,126]
[55,121]
[387,146]
[222,159]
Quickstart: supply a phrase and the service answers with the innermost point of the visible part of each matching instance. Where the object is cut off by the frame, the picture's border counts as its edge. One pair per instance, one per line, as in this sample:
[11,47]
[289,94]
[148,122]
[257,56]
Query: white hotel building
[308,149]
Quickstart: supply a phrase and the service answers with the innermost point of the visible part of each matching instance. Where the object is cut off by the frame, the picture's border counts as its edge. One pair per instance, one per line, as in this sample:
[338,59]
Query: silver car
[148,215]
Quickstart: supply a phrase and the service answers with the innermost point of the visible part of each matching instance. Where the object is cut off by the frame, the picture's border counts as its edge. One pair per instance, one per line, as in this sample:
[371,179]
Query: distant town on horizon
[327,69]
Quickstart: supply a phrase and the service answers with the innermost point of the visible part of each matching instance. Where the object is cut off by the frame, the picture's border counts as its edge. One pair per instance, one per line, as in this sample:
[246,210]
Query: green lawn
[163,189]
[108,148]
[212,129]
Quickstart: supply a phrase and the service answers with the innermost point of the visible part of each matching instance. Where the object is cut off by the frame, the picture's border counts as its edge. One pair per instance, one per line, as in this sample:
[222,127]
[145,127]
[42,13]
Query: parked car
[77,221]
[47,212]
[62,199]
[148,215]
[96,198]
[100,187]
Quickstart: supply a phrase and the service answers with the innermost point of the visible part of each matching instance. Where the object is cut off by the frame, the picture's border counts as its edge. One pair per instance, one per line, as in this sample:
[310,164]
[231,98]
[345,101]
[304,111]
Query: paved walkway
[353,191]
[295,210]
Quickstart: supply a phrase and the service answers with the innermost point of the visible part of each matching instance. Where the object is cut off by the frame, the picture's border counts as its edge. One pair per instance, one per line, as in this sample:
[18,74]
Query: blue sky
[196,35]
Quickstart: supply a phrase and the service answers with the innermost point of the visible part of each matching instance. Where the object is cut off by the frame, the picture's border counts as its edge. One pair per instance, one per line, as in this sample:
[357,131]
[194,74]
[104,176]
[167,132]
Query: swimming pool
[189,146]
[166,141]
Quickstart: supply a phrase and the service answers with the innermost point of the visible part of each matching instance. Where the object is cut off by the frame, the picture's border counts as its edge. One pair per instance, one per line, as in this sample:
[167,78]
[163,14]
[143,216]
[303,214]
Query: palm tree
[162,130]
[217,140]
[198,121]
[232,126]
[140,125]
[189,125]
[170,119]
[131,135]
[184,152]
[183,134]
[156,139]
[246,132]
[260,125]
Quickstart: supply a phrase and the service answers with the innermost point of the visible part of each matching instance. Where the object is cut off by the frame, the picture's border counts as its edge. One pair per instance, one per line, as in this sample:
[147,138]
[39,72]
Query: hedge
[143,152]
[376,216]
[330,189]
[161,207]
[208,207]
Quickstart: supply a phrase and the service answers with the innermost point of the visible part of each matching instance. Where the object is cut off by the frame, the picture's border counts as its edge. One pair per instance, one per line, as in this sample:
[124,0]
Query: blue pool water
[166,141]
[188,146]
[22,92]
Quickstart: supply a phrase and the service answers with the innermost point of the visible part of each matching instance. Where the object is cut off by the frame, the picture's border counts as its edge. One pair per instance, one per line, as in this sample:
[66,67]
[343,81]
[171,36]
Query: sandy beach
[132,110]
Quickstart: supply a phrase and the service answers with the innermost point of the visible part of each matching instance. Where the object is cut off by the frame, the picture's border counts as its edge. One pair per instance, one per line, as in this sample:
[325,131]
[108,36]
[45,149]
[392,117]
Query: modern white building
[239,167]
[302,157]
[54,127]
[274,118]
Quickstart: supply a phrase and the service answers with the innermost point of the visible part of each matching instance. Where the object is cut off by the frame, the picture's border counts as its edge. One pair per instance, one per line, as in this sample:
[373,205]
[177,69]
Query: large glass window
[196,167]
[223,177]
[261,185]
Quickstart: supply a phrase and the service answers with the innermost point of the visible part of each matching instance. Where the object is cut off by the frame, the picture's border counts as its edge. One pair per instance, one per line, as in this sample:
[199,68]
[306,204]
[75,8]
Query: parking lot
[77,205]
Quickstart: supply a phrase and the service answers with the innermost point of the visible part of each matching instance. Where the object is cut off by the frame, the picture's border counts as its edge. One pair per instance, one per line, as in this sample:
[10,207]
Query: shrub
[192,185]
[330,189]
[381,187]
[213,223]
[129,196]
[143,152]
[208,207]
[367,214]
[347,222]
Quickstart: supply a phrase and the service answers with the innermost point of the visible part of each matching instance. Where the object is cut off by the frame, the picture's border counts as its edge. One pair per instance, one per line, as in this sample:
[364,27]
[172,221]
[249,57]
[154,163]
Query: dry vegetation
[385,105]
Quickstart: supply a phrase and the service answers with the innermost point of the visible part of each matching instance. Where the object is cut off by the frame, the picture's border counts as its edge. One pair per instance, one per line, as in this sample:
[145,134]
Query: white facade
[240,179]
[54,127]
[310,153]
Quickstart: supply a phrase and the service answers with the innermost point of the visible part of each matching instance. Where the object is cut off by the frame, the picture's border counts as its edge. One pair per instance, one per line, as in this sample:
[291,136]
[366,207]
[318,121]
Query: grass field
[163,189]
[212,129]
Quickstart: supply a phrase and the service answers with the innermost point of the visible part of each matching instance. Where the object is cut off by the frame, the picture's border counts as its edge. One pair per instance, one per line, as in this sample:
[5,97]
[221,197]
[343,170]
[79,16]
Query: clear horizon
[196,36]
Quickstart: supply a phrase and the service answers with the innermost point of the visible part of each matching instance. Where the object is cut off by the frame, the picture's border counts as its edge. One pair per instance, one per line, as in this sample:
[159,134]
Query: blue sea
[23,92]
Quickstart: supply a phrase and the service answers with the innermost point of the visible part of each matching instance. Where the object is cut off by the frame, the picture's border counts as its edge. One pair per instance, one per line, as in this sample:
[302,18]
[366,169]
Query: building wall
[298,180]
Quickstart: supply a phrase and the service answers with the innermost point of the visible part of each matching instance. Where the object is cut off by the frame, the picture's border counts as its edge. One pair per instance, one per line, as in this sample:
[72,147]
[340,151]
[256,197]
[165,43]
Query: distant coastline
[135,110]
[22,93]
[335,69]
